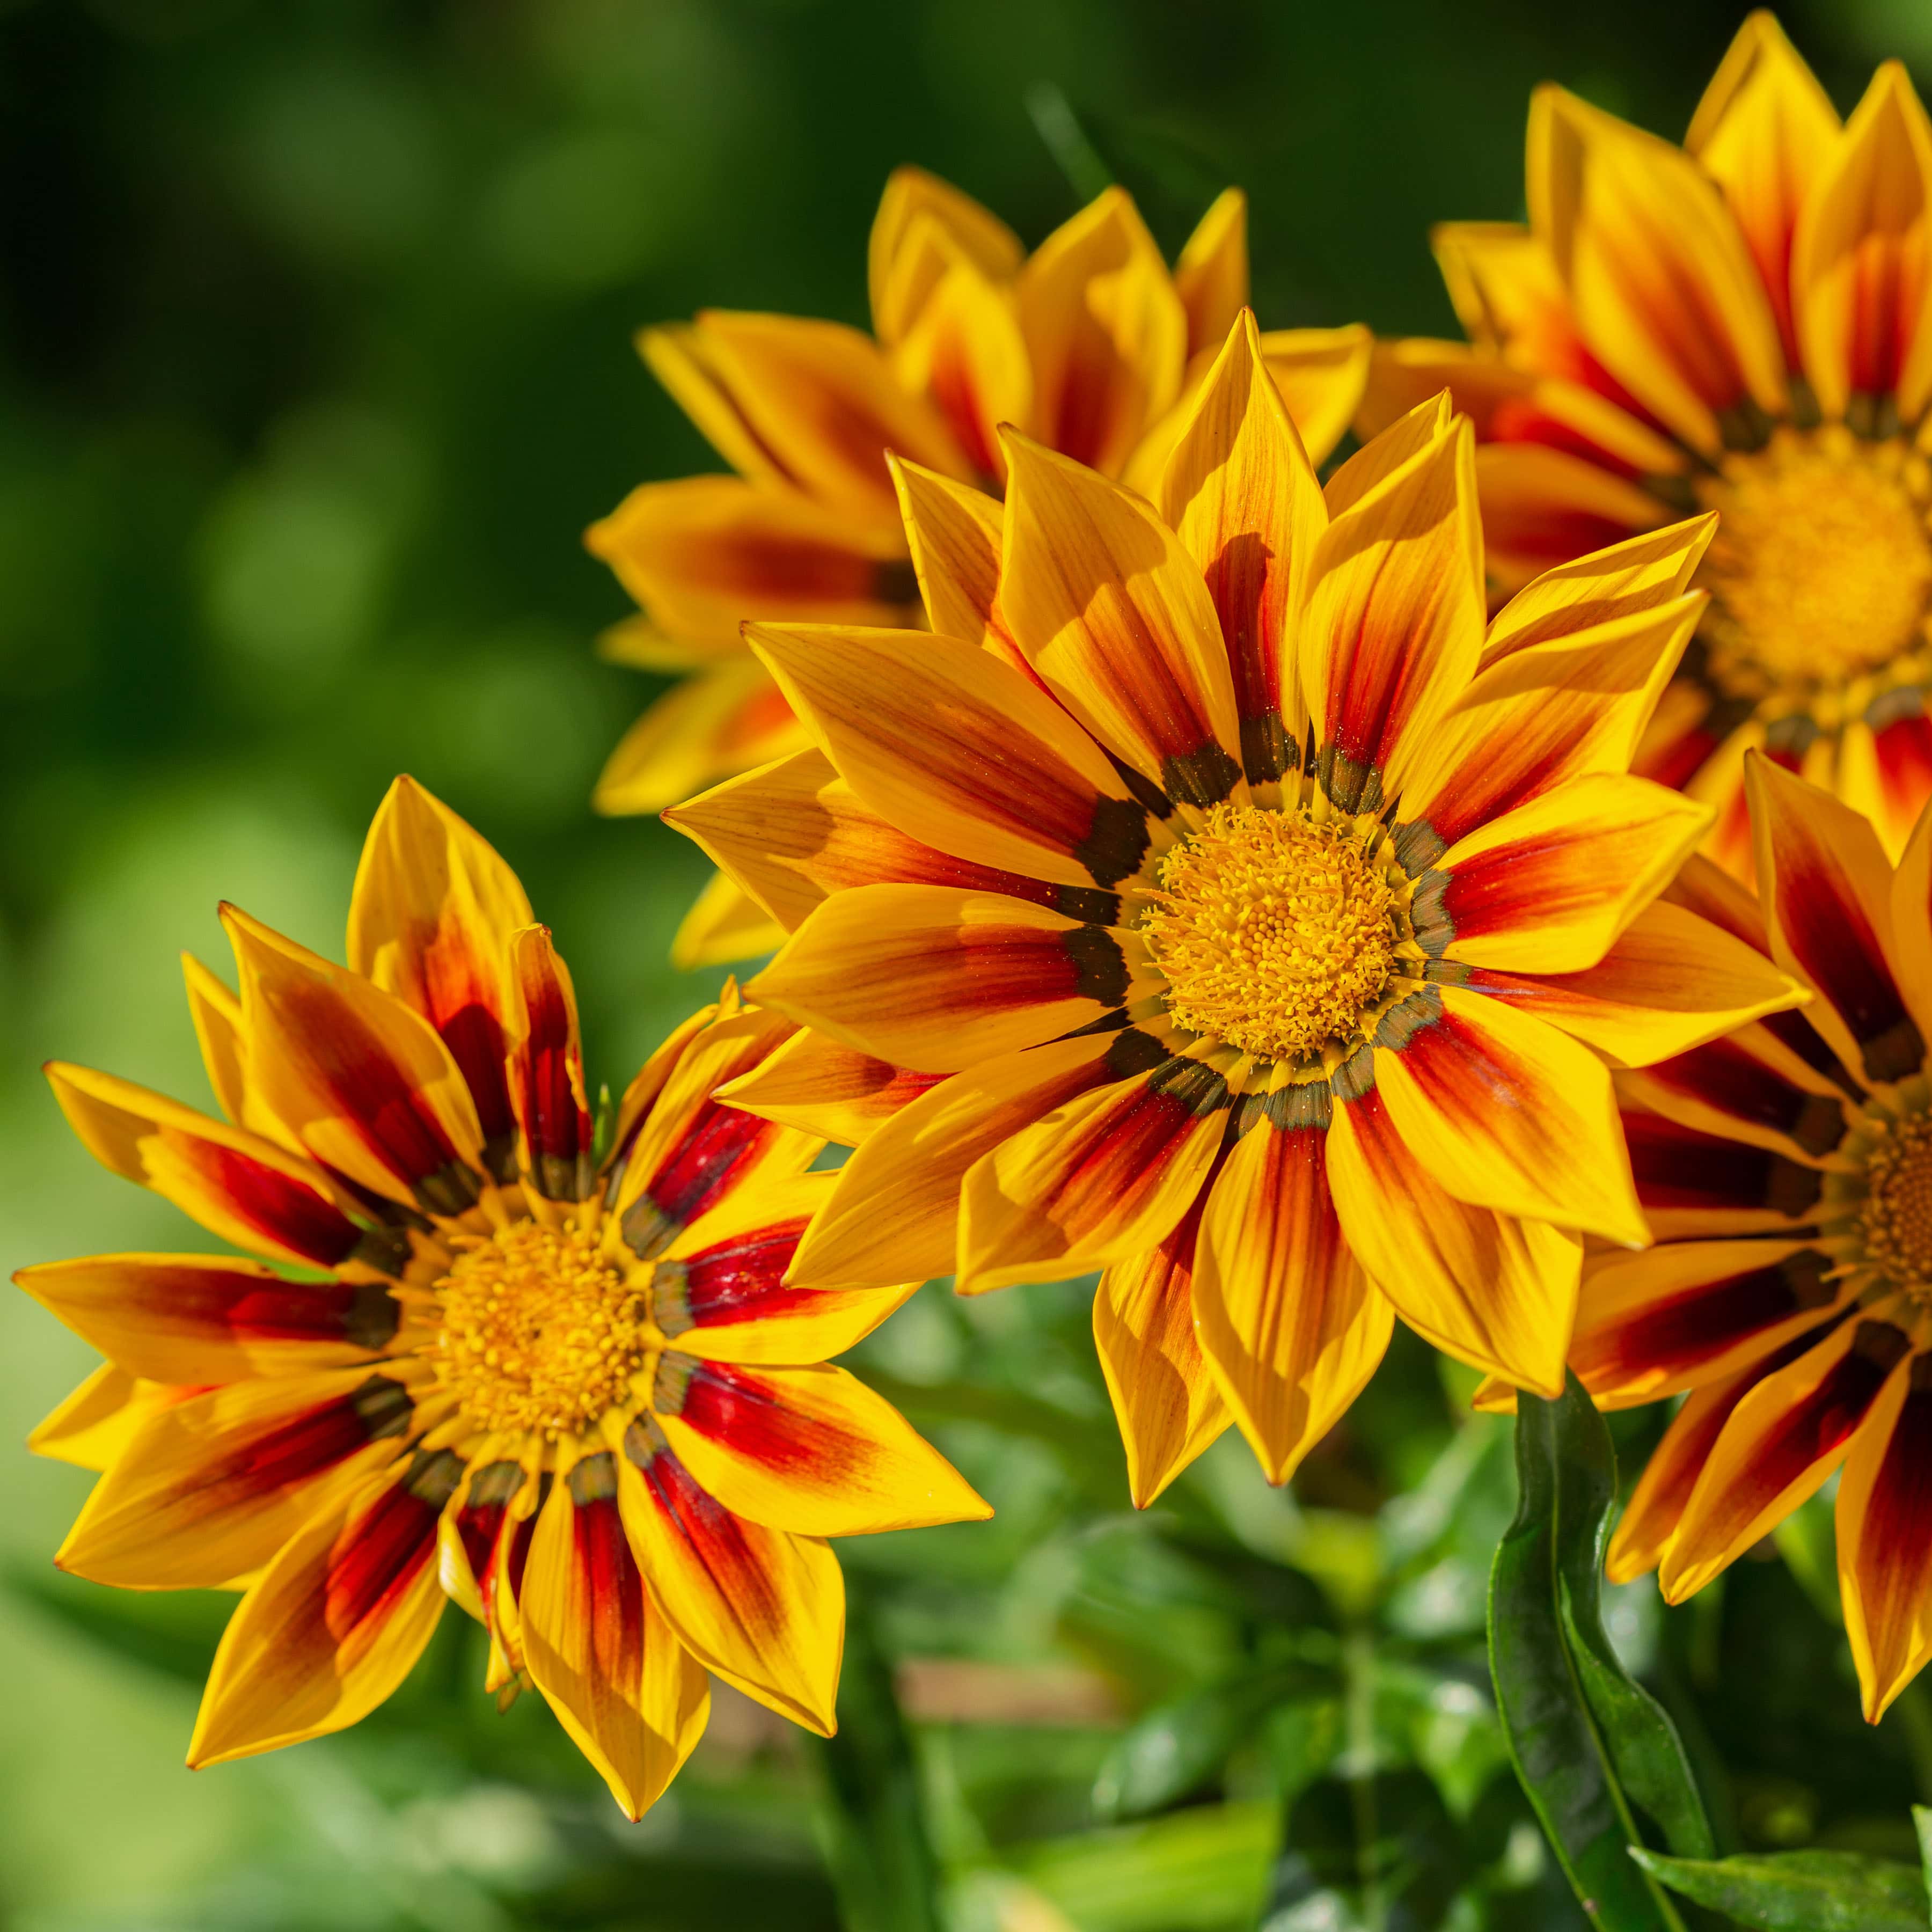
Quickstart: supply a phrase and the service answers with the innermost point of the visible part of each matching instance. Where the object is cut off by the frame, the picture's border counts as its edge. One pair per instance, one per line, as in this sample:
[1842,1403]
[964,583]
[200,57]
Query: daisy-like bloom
[567,1391]
[1742,324]
[1087,344]
[1214,901]
[1786,1172]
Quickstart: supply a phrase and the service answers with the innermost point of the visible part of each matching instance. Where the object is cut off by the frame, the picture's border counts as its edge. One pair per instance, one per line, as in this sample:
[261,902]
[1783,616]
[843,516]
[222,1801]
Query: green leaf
[1587,1742]
[1921,1823]
[1800,1891]
[881,1859]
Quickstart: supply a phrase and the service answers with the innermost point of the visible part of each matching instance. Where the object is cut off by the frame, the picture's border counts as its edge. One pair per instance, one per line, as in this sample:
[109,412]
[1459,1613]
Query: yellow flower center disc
[1822,566]
[540,1333]
[1896,1216]
[1274,932]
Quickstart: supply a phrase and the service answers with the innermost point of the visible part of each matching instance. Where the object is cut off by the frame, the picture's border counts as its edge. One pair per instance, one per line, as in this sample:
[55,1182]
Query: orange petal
[822,399]
[334,1624]
[1164,1394]
[200,1320]
[237,1185]
[1106,332]
[1110,611]
[1885,1538]
[1664,289]
[1510,1114]
[703,553]
[1827,894]
[365,1081]
[633,1698]
[1291,1325]
[954,534]
[914,199]
[1781,1442]
[429,921]
[720,1293]
[895,1214]
[1211,275]
[1691,1312]
[938,980]
[1394,622]
[967,355]
[1542,507]
[1102,1178]
[764,1609]
[212,1486]
[1670,982]
[724,720]
[821,1088]
[812,1450]
[553,1112]
[960,752]
[1746,1086]
[1859,273]
[1494,1292]
[1765,131]
[1240,493]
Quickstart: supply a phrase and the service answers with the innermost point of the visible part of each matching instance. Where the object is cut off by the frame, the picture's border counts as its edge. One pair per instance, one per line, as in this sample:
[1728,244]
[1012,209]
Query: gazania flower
[565,1388]
[1245,919]
[1086,344]
[1787,1172]
[1740,325]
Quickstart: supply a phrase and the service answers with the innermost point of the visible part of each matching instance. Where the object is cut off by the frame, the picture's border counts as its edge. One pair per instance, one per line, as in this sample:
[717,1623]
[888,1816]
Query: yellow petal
[954,534]
[1291,1325]
[912,198]
[1211,275]
[1320,373]
[95,1423]
[821,1088]
[725,923]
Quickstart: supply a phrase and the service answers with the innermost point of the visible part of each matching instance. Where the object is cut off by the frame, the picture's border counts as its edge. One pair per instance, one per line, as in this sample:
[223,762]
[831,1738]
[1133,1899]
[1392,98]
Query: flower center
[1273,931]
[1822,565]
[1896,1218]
[540,1333]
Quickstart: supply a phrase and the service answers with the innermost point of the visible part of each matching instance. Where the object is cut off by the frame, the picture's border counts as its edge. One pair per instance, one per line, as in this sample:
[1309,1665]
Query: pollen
[1822,565]
[540,1333]
[1274,931]
[1897,1215]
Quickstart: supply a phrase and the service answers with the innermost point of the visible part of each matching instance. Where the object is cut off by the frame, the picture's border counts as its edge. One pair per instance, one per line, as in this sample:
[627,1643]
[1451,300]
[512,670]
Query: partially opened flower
[1087,344]
[1787,1172]
[1743,324]
[566,1389]
[1213,901]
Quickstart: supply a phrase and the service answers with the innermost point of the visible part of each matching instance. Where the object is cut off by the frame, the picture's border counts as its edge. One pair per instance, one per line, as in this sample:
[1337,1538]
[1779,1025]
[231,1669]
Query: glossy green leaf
[1800,1891]
[1588,1742]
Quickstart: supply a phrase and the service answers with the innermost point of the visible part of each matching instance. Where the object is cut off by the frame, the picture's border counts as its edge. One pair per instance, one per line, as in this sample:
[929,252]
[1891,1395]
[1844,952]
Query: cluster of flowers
[1492,888]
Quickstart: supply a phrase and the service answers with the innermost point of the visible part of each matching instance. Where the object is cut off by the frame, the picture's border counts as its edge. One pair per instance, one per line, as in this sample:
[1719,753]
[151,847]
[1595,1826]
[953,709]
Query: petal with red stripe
[210,1487]
[202,1320]
[811,1450]
[546,1068]
[764,1609]
[633,1698]
[334,1624]
[429,921]
[822,1088]
[365,1080]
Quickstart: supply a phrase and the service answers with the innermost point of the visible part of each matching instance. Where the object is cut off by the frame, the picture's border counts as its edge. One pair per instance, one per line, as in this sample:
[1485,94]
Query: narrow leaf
[1800,1891]
[1586,1739]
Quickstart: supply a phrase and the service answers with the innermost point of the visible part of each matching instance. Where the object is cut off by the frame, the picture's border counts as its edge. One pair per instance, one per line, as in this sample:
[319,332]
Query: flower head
[1742,325]
[1787,1172]
[563,1385]
[1088,344]
[1215,901]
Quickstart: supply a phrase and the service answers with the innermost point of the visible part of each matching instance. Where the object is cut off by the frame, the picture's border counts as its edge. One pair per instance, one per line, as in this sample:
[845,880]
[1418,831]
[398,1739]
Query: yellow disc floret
[1896,1216]
[540,1333]
[1822,567]
[1274,931]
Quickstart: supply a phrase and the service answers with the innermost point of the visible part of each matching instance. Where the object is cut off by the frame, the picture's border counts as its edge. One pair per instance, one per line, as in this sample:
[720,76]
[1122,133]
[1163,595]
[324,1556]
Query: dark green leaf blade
[1577,1725]
[1799,1892]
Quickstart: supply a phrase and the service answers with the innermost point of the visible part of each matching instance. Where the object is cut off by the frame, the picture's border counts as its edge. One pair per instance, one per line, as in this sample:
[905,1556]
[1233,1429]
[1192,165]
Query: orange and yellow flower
[1215,901]
[564,1387]
[1742,325]
[1786,1170]
[1087,344]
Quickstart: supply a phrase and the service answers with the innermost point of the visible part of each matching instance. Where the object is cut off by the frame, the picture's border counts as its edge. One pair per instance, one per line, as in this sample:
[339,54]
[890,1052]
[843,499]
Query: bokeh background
[315,362]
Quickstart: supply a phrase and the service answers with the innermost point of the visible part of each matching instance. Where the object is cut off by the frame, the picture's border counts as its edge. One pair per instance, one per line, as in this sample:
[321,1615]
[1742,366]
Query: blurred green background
[315,361]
